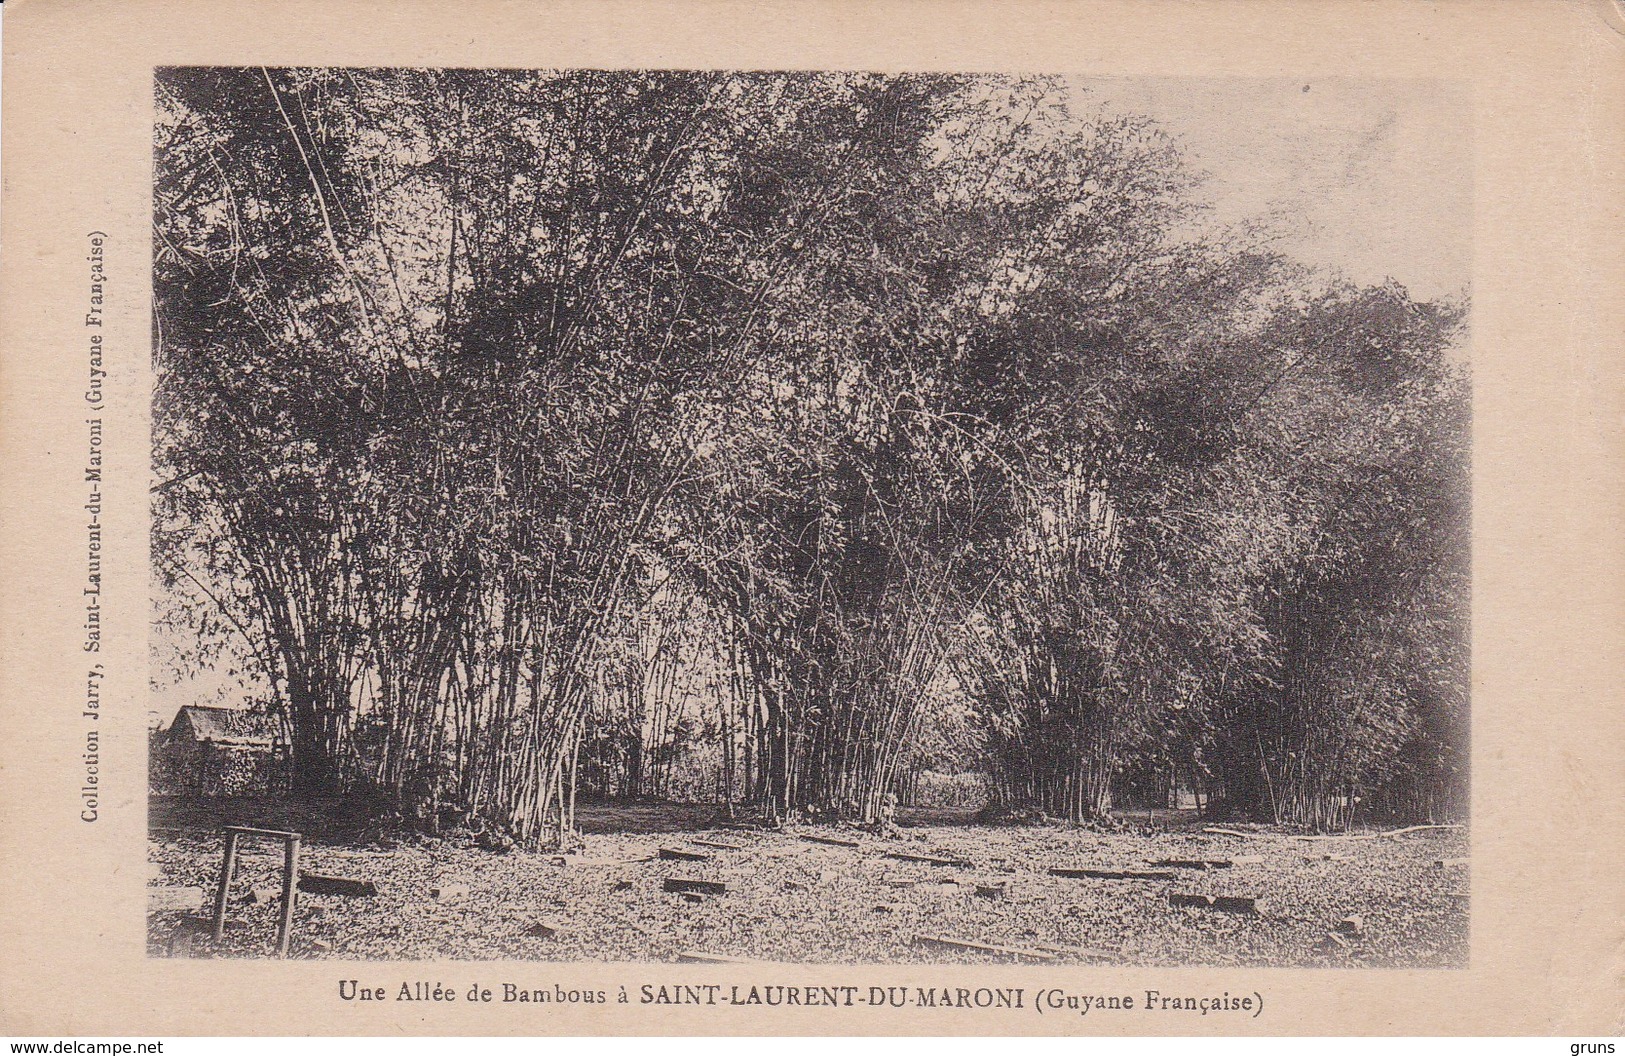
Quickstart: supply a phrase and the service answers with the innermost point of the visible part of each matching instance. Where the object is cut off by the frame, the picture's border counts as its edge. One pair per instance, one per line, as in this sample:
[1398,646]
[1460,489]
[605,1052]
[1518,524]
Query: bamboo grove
[518,431]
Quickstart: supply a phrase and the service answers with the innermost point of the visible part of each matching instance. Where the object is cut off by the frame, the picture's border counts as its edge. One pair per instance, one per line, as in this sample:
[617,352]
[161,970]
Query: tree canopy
[527,429]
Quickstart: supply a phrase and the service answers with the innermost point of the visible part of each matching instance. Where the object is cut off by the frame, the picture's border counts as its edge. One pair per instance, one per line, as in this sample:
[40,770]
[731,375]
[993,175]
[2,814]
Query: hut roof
[224,726]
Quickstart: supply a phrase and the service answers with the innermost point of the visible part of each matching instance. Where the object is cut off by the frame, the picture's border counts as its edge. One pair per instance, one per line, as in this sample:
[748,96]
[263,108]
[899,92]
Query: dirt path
[791,899]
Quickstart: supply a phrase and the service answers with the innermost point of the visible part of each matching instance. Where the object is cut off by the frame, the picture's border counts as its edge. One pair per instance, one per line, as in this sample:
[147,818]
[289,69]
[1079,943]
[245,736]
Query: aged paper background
[1547,80]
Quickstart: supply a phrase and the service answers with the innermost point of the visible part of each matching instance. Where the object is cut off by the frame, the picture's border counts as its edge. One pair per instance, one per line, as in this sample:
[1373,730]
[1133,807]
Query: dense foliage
[772,437]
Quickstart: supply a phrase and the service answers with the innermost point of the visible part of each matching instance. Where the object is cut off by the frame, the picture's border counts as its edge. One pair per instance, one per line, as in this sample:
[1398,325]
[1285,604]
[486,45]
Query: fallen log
[675,854]
[830,841]
[686,885]
[1214,830]
[1018,952]
[696,957]
[1075,951]
[317,884]
[334,852]
[1113,874]
[1207,863]
[1377,835]
[1192,863]
[1224,903]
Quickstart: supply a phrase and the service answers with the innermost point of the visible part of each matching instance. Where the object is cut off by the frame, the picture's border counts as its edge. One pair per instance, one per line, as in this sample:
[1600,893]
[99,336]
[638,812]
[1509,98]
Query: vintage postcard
[812,518]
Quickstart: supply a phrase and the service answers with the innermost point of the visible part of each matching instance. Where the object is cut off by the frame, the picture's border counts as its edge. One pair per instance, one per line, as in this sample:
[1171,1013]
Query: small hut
[219,752]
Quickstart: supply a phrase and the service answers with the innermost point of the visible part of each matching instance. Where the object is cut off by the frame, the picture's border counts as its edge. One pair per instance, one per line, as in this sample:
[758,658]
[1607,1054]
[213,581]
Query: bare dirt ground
[792,899]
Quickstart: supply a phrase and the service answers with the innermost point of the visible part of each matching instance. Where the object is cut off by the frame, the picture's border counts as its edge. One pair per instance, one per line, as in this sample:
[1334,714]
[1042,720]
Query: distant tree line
[523,428]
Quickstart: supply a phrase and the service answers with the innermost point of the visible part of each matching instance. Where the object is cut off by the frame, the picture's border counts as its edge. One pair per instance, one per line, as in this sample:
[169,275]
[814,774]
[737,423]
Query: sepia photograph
[818,516]
[811,518]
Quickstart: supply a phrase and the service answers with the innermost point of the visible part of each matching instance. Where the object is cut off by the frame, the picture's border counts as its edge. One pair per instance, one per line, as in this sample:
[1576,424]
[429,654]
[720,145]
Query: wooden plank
[290,893]
[1075,951]
[1223,903]
[697,957]
[1114,874]
[249,830]
[335,852]
[317,884]
[1216,831]
[677,854]
[227,868]
[1207,863]
[1192,863]
[688,885]
[1021,953]
[928,859]
[830,841]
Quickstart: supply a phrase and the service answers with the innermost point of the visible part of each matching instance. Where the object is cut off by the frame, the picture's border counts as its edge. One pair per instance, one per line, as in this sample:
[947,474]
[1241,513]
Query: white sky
[1371,177]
